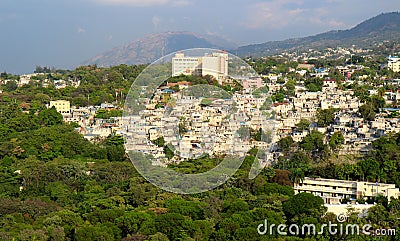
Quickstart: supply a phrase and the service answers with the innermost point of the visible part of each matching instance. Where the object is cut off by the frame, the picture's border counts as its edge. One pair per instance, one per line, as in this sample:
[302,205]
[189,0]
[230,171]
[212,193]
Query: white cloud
[335,1]
[273,14]
[156,21]
[276,14]
[81,30]
[180,3]
[145,3]
[137,3]
[321,17]
[295,12]
[336,24]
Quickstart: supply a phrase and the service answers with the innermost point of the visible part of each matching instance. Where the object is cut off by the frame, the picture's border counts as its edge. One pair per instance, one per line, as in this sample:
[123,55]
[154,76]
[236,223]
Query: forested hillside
[56,185]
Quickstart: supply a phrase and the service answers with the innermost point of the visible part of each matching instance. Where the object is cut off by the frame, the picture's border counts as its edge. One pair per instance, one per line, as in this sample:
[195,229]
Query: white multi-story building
[334,191]
[215,64]
[185,65]
[394,63]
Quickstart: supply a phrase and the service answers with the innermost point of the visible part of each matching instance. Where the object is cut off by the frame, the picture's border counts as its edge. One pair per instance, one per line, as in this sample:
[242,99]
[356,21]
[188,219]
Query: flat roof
[345,181]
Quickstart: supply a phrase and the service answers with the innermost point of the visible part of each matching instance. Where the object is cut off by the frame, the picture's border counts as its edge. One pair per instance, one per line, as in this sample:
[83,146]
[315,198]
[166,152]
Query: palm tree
[296,175]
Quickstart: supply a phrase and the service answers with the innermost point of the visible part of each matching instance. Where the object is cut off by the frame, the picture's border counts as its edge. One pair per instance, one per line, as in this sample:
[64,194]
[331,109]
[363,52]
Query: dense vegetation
[56,185]
[75,190]
[97,85]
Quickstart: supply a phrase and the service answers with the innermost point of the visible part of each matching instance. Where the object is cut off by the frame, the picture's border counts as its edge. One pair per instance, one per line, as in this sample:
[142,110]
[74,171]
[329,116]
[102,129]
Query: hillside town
[184,120]
[212,126]
[208,123]
[207,126]
[303,105]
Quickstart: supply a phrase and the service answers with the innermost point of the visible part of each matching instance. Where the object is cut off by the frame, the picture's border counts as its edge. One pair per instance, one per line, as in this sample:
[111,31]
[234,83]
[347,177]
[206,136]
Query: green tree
[325,117]
[336,141]
[158,237]
[300,159]
[187,208]
[313,84]
[278,97]
[160,142]
[285,143]
[314,141]
[290,87]
[115,150]
[97,232]
[367,112]
[107,114]
[304,205]
[172,224]
[168,152]
[304,124]
[136,223]
[297,175]
[244,132]
[11,86]
[50,117]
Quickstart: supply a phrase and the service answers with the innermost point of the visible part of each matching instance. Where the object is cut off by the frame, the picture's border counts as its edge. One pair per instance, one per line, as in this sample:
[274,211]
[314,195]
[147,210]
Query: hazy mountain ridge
[153,47]
[380,28]
[150,48]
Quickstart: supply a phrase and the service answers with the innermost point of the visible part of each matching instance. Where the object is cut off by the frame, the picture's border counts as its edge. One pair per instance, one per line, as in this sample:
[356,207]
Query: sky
[65,33]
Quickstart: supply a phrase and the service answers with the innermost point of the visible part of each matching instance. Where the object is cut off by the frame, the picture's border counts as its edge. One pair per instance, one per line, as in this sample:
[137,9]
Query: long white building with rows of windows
[334,191]
[214,64]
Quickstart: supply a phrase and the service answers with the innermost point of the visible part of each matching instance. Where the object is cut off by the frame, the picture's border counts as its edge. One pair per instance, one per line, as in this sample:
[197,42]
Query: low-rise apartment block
[394,63]
[62,106]
[334,191]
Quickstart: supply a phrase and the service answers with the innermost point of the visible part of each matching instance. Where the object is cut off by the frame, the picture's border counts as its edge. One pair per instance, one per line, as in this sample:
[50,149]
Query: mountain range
[153,47]
[383,27]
